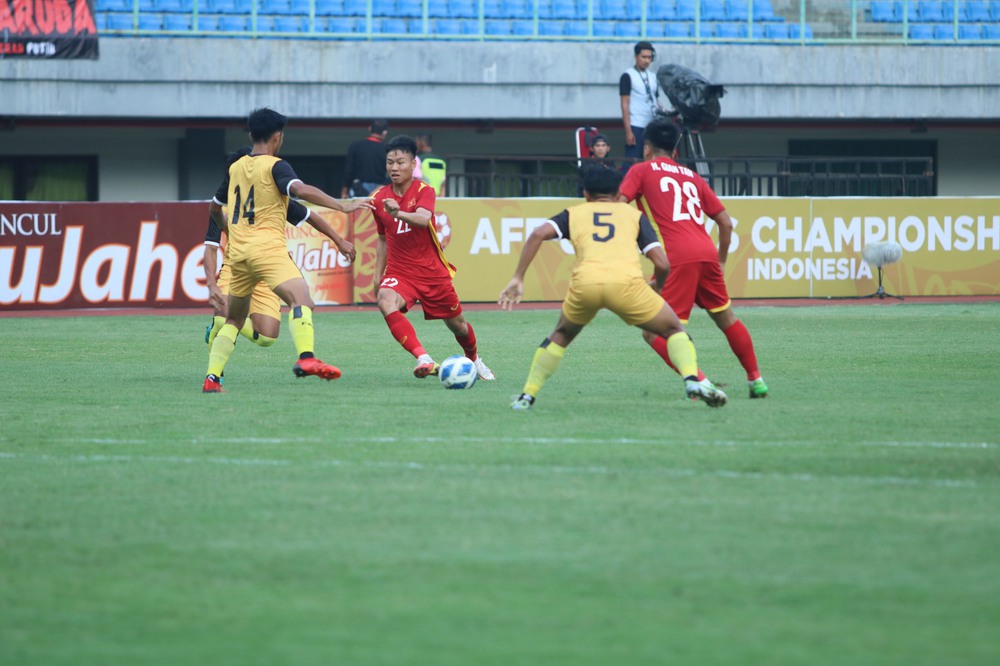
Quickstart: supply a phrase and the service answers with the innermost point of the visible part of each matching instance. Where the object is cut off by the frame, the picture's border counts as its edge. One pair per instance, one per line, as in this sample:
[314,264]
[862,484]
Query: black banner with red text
[47,29]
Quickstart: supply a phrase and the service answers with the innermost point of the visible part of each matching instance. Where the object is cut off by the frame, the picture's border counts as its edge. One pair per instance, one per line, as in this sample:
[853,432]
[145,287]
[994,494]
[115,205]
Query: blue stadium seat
[713,10]
[970,32]
[330,8]
[522,27]
[684,10]
[338,24]
[391,26]
[384,8]
[557,9]
[628,28]
[796,31]
[604,28]
[776,31]
[664,10]
[126,5]
[354,7]
[677,29]
[920,31]
[446,27]
[229,6]
[763,10]
[884,11]
[577,28]
[730,30]
[410,8]
[234,24]
[550,27]
[991,31]
[150,22]
[738,10]
[120,22]
[930,11]
[612,10]
[948,9]
[498,27]
[463,8]
[300,7]
[177,22]
[995,9]
[470,27]
[516,9]
[273,6]
[978,11]
[175,6]
[285,24]
[944,32]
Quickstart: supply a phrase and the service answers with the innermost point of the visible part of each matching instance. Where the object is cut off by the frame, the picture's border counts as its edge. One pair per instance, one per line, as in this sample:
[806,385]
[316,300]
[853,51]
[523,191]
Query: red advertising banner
[47,29]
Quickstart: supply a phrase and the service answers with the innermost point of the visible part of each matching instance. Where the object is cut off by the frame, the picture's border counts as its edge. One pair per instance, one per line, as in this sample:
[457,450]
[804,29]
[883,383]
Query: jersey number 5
[607,227]
[247,211]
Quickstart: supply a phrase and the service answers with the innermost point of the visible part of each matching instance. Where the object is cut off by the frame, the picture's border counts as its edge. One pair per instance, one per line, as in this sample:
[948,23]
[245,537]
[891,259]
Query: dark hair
[425,137]
[599,179]
[264,123]
[402,143]
[596,138]
[662,135]
[379,126]
[644,46]
[237,154]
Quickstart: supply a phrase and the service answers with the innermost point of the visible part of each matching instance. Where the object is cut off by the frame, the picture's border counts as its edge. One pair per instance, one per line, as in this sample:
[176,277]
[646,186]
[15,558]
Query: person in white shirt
[639,93]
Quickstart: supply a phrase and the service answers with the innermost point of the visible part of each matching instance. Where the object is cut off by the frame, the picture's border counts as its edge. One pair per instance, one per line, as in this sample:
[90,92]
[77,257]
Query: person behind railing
[364,169]
[639,92]
[599,149]
[430,168]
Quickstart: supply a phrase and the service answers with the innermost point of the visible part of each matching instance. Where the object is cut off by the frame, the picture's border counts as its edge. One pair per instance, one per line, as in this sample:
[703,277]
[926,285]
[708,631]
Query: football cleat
[758,389]
[705,391]
[426,370]
[208,331]
[484,373]
[522,402]
[315,367]
[212,385]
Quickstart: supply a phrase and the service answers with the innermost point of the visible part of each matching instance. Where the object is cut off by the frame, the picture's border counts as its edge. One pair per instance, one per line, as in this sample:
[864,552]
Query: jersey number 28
[685,197]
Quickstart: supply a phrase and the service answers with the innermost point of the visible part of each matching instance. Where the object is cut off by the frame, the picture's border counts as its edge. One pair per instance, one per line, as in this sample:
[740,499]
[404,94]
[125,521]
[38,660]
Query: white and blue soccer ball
[458,372]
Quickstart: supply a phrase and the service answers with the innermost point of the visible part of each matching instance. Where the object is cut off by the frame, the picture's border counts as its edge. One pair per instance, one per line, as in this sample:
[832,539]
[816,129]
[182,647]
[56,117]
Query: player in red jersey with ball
[410,264]
[676,200]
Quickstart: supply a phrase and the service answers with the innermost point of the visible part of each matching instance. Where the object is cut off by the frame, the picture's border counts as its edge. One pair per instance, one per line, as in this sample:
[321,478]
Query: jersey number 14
[246,212]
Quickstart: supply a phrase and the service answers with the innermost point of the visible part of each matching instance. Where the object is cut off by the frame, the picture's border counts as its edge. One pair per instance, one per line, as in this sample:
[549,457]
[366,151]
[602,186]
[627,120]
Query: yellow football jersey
[258,205]
[607,237]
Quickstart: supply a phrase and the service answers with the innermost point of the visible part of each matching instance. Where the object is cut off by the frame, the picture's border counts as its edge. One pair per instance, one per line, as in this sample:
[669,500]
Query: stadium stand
[747,21]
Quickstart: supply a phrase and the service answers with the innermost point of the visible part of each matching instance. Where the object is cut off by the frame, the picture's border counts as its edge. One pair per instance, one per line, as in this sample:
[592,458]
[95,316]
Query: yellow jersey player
[256,192]
[607,274]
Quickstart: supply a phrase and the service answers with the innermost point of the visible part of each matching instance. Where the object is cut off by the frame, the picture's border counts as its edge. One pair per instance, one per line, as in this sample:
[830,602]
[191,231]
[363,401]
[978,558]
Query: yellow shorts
[262,299]
[635,302]
[272,268]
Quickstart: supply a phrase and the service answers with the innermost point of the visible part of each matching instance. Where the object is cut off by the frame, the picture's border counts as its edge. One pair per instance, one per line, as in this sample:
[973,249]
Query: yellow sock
[300,321]
[545,363]
[682,354]
[263,341]
[222,349]
[217,323]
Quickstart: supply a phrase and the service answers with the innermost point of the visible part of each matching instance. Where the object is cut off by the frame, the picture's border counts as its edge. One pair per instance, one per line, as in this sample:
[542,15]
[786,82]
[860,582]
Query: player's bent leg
[741,343]
[265,329]
[546,361]
[465,335]
[681,355]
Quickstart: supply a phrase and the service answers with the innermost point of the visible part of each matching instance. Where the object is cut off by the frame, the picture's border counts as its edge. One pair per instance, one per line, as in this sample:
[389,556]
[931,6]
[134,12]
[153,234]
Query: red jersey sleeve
[379,212]
[426,198]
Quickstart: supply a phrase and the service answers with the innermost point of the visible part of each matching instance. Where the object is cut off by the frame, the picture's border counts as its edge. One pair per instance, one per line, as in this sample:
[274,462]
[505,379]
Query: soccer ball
[458,372]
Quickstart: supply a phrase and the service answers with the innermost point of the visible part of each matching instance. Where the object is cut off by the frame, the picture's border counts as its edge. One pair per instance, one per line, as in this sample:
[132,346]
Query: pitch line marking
[559,469]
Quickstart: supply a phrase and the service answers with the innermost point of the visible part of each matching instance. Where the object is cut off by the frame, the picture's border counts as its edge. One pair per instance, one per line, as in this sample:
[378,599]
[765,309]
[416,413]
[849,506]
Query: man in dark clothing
[364,170]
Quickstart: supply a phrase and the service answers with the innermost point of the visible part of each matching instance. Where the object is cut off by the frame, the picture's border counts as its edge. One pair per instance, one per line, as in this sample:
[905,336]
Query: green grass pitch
[853,517]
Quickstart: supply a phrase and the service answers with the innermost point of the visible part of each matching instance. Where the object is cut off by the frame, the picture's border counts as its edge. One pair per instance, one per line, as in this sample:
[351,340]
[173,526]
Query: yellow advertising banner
[782,248]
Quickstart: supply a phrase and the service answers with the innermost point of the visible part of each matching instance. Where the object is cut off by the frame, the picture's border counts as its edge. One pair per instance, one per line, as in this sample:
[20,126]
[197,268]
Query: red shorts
[437,297]
[699,283]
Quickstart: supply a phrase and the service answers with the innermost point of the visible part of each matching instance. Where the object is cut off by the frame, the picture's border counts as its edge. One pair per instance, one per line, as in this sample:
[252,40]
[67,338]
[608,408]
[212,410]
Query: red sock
[468,342]
[742,345]
[659,345]
[402,330]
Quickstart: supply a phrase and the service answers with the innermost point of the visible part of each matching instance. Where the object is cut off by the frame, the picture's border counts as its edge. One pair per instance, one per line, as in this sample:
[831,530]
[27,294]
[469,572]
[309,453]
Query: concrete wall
[199,78]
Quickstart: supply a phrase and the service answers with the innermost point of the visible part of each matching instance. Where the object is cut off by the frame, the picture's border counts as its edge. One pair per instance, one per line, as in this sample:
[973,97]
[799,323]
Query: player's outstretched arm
[661,267]
[512,293]
[314,195]
[215,210]
[346,247]
[421,217]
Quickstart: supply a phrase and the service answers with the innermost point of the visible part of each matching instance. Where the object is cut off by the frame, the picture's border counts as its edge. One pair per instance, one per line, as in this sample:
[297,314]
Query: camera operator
[639,91]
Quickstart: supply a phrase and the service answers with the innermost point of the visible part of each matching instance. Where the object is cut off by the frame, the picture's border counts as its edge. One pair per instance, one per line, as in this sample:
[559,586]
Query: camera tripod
[880,293]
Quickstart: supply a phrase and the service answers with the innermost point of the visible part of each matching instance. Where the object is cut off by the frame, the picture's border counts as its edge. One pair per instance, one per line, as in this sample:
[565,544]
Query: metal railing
[728,177]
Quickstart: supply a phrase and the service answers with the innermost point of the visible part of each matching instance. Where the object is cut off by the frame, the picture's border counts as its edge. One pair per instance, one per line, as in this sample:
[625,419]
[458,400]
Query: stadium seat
[763,10]
[550,28]
[738,10]
[991,31]
[515,9]
[175,6]
[286,24]
[384,8]
[776,31]
[498,27]
[919,31]
[126,6]
[796,31]
[730,30]
[276,7]
[463,8]
[677,29]
[391,26]
[119,22]
[234,24]
[227,7]
[948,9]
[930,11]
[177,22]
[978,11]
[611,10]
[338,24]
[995,9]
[559,9]
[150,22]
[354,7]
[410,8]
[604,28]
[628,28]
[684,10]
[713,10]
[883,11]
[300,7]
[470,27]
[576,29]
[944,32]
[446,27]
[664,10]
[330,8]
[970,32]
[522,27]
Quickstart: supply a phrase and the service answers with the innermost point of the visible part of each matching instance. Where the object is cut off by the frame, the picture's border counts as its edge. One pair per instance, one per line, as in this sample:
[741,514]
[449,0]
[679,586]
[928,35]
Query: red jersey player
[675,198]
[410,264]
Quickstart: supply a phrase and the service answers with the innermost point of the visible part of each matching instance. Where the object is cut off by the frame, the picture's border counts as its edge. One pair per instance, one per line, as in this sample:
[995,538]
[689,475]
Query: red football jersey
[674,197]
[411,251]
